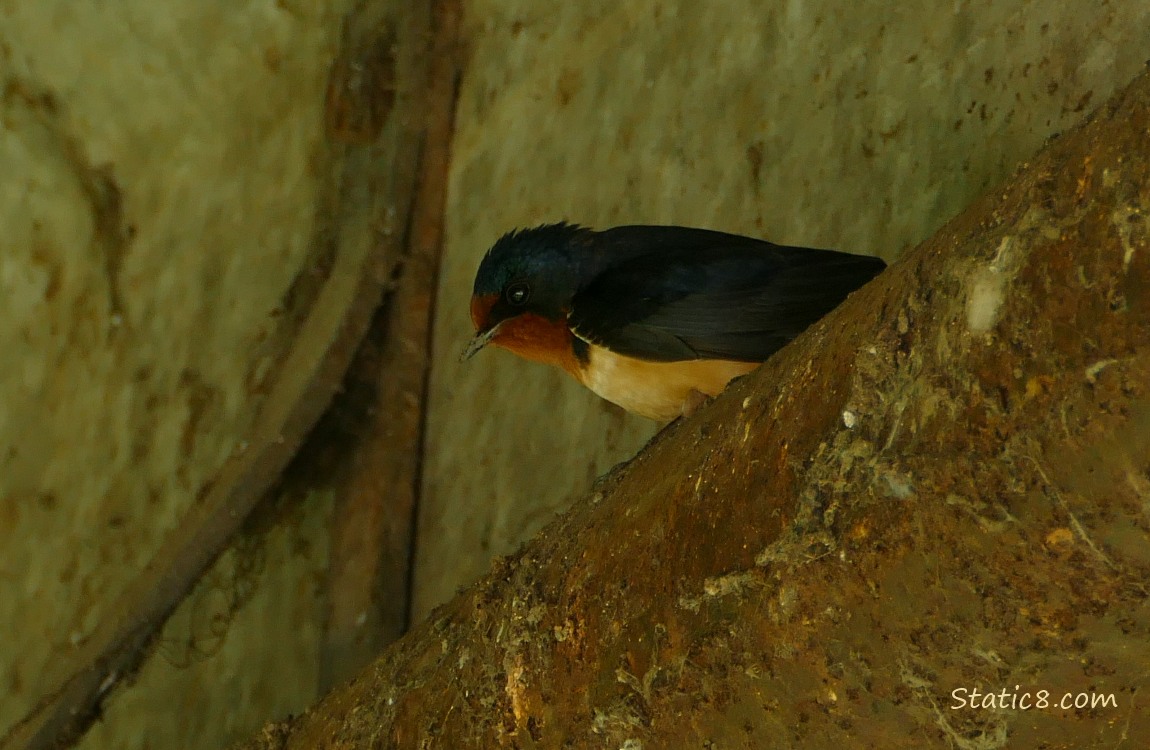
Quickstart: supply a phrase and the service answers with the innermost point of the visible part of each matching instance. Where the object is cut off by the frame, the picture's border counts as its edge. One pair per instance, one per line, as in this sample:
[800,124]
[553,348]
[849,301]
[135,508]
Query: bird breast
[657,390]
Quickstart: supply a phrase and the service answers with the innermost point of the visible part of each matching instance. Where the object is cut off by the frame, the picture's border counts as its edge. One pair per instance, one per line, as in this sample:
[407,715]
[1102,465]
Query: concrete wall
[158,167]
[158,182]
[861,126]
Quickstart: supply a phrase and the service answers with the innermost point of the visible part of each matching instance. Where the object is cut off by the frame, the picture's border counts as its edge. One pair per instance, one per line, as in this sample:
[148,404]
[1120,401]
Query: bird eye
[517,294]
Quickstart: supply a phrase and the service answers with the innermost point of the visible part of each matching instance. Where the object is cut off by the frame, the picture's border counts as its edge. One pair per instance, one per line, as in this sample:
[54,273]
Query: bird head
[528,274]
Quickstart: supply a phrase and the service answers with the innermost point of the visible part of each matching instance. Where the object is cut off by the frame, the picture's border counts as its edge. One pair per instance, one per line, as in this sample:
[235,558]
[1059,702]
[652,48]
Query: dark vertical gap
[445,49]
[410,241]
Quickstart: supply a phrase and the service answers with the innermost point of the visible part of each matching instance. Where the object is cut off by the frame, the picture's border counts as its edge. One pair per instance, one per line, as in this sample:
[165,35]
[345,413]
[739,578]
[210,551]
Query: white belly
[658,390]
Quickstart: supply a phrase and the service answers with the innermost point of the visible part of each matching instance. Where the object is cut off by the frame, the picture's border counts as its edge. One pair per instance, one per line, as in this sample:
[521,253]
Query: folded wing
[714,296]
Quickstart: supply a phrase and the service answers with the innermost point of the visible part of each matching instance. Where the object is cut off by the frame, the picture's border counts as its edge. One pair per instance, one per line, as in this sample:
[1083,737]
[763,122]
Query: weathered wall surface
[159,183]
[157,203]
[860,126]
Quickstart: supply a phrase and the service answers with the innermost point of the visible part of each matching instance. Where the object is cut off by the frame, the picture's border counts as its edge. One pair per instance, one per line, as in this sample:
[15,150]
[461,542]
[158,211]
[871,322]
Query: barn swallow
[653,318]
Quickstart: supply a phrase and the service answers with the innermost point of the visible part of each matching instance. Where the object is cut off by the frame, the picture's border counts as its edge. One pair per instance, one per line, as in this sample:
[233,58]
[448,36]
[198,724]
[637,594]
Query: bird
[655,319]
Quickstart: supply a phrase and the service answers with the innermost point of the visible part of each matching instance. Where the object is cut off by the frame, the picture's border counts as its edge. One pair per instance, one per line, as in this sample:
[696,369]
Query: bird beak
[481,340]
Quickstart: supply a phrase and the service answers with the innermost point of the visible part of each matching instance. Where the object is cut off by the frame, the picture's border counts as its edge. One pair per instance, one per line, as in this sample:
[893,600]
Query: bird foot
[694,401]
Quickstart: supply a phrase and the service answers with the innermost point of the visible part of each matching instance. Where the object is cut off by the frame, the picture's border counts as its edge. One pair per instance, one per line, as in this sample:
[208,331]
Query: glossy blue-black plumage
[547,257]
[665,293]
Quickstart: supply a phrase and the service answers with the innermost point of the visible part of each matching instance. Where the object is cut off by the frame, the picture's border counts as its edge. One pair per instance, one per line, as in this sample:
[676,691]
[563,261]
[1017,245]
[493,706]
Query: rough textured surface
[162,180]
[941,486]
[860,126]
